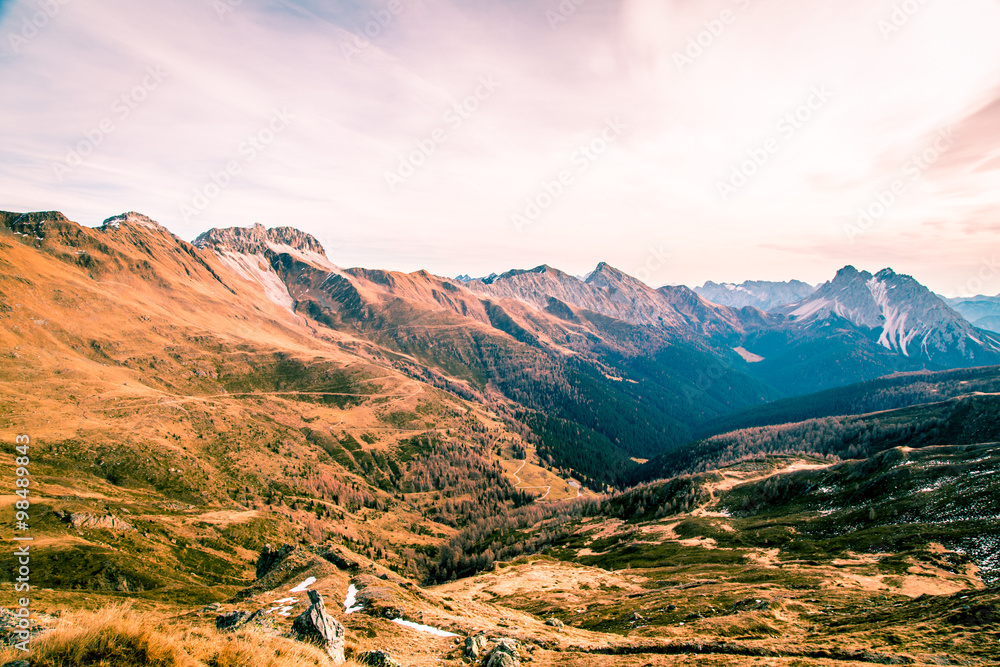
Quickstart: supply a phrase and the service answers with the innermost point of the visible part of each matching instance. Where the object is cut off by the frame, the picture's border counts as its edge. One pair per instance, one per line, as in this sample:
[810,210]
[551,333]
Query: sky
[678,140]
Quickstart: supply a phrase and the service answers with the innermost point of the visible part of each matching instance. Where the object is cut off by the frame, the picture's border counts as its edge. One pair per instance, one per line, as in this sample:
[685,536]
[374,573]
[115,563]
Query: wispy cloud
[656,185]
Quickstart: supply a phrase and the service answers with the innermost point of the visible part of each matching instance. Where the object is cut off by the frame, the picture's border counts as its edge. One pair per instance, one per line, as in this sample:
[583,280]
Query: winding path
[548,488]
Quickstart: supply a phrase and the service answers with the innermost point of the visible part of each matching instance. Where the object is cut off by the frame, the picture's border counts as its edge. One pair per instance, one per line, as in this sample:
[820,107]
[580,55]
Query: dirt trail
[548,488]
[733,479]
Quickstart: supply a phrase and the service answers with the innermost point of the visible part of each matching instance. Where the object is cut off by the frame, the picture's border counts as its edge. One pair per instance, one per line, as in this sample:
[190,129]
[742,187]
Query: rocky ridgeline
[257,240]
[131,218]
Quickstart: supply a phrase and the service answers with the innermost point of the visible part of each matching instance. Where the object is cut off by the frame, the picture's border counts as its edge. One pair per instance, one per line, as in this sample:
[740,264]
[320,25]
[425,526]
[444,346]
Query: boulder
[82,520]
[504,654]
[317,627]
[229,621]
[474,646]
[376,659]
[554,622]
[259,620]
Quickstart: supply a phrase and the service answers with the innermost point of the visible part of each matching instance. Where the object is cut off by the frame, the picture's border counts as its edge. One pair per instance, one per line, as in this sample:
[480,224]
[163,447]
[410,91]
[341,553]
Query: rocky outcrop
[376,659]
[504,654]
[277,566]
[316,626]
[474,646]
[80,521]
[341,557]
[269,558]
[259,620]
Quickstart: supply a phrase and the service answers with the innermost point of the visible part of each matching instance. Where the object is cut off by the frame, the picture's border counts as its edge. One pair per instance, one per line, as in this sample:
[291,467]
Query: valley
[586,467]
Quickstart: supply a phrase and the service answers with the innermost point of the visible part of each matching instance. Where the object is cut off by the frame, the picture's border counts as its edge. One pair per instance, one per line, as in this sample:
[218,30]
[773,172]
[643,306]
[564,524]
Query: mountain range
[760,294]
[575,465]
[629,369]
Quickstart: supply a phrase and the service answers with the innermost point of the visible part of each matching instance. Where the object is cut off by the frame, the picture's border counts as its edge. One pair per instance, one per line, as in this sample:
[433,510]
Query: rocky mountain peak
[849,272]
[606,275]
[256,240]
[908,317]
[131,218]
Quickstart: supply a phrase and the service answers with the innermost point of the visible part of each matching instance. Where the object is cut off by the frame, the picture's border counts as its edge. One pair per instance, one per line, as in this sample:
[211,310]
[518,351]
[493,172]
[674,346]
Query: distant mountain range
[981,311]
[760,294]
[601,369]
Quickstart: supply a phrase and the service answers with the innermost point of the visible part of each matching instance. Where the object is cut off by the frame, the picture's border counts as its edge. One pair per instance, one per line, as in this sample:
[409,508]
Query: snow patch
[419,627]
[809,308]
[351,601]
[306,583]
[747,355]
[894,334]
[255,269]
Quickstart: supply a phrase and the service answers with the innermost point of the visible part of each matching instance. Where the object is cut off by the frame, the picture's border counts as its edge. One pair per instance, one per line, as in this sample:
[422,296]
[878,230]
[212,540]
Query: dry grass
[116,636]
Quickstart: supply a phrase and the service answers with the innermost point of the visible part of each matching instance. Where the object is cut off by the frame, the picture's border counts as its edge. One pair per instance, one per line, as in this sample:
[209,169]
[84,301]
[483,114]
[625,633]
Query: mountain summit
[254,240]
[908,317]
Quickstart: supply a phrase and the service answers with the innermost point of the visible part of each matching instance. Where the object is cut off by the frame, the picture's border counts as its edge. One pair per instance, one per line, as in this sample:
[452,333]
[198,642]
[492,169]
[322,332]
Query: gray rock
[229,621]
[554,622]
[316,626]
[238,620]
[113,523]
[377,659]
[474,645]
[504,654]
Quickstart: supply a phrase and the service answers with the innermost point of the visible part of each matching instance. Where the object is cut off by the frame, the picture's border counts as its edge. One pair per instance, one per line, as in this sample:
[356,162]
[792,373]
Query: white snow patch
[809,308]
[419,627]
[747,355]
[255,269]
[351,601]
[894,334]
[306,583]
[285,601]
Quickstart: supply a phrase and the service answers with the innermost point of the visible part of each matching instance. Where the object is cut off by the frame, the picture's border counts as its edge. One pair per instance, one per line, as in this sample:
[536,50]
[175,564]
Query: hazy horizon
[727,140]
